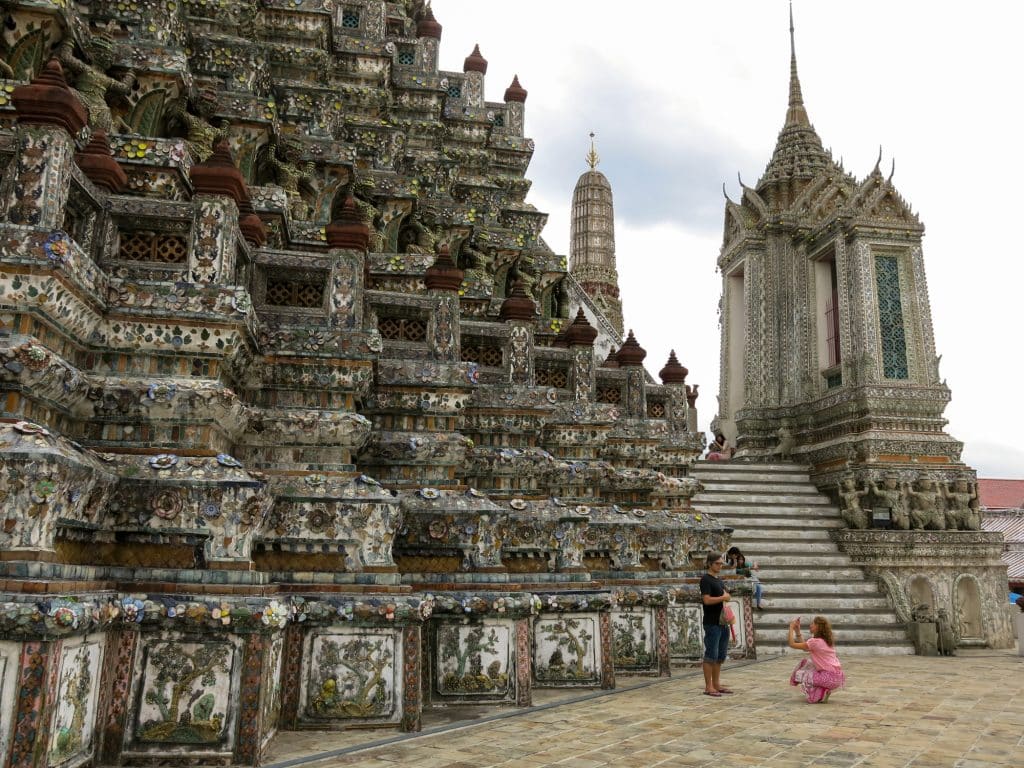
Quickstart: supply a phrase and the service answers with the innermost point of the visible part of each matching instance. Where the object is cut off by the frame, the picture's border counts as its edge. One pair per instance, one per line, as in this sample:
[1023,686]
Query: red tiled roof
[1000,494]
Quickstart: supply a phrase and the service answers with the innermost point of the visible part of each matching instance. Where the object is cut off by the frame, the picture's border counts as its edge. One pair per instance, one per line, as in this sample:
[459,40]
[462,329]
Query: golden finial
[592,158]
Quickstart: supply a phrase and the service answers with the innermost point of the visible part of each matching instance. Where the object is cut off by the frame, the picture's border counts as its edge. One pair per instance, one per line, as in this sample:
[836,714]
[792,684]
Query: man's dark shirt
[715,587]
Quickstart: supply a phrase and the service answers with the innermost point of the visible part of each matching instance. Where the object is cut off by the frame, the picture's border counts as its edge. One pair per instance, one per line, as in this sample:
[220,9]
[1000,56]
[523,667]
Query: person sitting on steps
[746,569]
[720,450]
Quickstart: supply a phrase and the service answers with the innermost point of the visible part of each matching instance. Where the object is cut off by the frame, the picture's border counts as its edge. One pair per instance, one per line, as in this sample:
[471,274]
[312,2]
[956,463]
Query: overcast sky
[685,94]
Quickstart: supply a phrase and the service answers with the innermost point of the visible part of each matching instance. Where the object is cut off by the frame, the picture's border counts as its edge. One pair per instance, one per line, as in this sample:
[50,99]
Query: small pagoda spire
[475,62]
[673,372]
[348,230]
[580,332]
[796,114]
[515,92]
[631,353]
[592,157]
[518,305]
[98,164]
[427,25]
[48,100]
[443,275]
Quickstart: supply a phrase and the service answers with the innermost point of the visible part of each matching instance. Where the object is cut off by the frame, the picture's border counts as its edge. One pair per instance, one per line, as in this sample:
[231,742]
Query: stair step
[764,537]
[895,634]
[822,560]
[780,546]
[818,592]
[797,489]
[769,510]
[752,498]
[788,603]
[719,467]
[756,525]
[775,618]
[844,649]
[802,575]
[764,478]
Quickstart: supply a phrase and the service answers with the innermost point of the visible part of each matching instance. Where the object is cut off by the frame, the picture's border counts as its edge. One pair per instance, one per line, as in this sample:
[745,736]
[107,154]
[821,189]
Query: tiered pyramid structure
[296,429]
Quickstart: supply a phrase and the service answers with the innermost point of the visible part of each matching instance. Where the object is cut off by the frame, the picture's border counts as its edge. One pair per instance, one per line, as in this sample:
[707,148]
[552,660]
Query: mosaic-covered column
[221,193]
[515,107]
[519,310]
[291,675]
[673,376]
[429,33]
[412,678]
[631,358]
[49,116]
[607,656]
[349,237]
[115,688]
[524,664]
[580,336]
[250,736]
[442,280]
[30,726]
[475,67]
[661,642]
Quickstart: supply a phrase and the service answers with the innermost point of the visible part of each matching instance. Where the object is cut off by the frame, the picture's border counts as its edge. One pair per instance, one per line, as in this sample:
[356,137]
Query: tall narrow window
[832,319]
[890,318]
[827,321]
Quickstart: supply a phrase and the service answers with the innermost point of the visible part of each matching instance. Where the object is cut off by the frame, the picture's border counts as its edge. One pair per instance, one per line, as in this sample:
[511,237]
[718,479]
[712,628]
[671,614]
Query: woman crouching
[821,673]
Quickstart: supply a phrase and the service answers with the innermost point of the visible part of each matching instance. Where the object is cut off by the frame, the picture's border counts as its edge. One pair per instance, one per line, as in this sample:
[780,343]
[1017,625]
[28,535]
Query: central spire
[796,114]
[798,151]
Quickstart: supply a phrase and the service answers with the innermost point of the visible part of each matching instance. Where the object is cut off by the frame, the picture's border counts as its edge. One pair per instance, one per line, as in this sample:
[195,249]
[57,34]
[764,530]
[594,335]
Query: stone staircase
[781,522]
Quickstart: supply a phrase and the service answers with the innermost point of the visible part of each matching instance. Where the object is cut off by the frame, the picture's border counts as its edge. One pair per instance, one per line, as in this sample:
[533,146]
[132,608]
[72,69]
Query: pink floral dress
[819,674]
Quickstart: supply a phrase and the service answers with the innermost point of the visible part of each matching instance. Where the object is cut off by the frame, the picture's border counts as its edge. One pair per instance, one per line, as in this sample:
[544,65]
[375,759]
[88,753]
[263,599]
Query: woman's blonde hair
[824,630]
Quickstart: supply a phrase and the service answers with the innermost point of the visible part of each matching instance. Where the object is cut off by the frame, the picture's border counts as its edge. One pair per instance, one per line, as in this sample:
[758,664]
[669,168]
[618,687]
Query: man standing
[716,634]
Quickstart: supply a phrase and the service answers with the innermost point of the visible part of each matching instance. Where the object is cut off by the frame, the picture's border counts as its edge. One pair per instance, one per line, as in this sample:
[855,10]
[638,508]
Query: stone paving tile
[896,712]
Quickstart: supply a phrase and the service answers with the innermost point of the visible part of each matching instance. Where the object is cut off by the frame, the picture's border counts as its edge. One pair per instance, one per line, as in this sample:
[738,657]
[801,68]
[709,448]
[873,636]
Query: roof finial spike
[892,171]
[792,44]
[592,157]
[796,115]
[878,162]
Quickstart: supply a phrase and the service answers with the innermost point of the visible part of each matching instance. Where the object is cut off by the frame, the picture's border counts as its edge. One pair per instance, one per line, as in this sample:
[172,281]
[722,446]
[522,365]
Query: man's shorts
[716,643]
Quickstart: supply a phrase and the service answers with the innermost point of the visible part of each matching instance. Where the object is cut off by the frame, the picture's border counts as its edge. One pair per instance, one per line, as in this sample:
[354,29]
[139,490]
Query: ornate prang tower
[592,248]
[826,325]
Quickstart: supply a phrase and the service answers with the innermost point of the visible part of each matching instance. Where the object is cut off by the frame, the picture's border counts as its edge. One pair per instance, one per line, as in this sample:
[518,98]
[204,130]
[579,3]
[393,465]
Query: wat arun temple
[303,426]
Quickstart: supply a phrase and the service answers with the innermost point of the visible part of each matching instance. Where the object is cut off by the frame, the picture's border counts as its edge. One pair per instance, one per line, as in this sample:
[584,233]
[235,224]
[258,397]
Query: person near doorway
[714,597]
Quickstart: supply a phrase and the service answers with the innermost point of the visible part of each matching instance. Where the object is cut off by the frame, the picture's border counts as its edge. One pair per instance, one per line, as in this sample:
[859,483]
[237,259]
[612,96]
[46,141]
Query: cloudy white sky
[685,94]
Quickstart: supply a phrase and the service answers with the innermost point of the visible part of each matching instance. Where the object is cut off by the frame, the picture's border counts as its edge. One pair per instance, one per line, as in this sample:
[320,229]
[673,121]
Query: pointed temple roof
[798,152]
[592,240]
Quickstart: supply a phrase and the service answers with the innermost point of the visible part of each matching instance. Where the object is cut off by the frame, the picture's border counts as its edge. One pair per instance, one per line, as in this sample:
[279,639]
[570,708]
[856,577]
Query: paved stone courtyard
[966,712]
